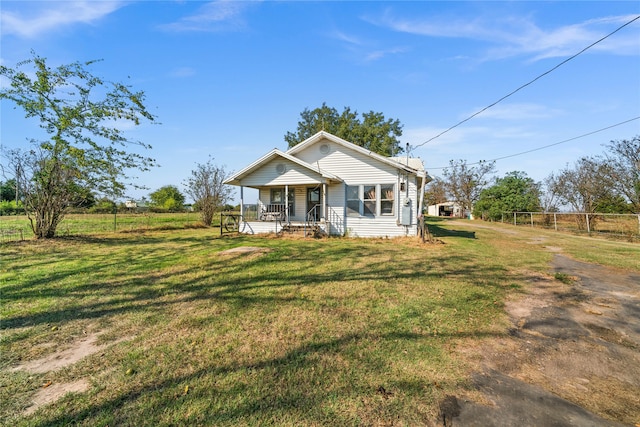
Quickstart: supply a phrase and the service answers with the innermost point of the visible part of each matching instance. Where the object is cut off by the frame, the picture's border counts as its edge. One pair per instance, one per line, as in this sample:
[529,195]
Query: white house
[332,185]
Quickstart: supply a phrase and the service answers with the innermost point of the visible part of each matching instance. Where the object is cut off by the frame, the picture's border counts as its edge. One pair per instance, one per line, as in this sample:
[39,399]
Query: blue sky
[229,79]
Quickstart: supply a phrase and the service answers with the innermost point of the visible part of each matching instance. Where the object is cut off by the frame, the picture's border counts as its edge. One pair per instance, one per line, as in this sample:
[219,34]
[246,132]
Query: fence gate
[229,222]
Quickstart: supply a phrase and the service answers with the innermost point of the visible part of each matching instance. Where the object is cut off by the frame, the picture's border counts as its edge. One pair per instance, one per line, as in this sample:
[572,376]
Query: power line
[546,146]
[529,83]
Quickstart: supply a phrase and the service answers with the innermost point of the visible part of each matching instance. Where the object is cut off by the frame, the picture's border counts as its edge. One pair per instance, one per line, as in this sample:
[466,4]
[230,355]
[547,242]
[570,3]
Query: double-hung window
[353,200]
[371,200]
[387,199]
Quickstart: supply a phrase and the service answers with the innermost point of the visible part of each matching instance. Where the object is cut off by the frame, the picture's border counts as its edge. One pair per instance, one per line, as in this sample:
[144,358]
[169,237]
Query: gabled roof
[236,178]
[415,165]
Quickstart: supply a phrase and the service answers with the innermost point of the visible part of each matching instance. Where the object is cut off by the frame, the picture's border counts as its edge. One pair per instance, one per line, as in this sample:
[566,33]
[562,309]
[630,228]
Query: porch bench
[272,212]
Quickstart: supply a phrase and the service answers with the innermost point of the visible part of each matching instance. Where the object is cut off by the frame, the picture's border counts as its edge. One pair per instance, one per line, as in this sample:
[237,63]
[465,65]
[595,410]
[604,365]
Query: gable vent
[324,148]
[280,168]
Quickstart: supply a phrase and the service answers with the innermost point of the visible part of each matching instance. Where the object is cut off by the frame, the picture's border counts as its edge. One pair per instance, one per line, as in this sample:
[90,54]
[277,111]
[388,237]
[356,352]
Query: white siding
[349,165]
[336,209]
[256,227]
[354,168]
[269,175]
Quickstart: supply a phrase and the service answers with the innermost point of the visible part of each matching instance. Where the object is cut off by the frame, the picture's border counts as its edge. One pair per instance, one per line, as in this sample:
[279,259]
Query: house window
[369,200]
[353,200]
[387,199]
[277,198]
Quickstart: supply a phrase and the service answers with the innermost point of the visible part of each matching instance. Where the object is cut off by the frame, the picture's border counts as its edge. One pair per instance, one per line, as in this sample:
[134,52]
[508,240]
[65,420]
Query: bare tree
[582,186]
[586,187]
[206,188]
[623,169]
[436,192]
[47,186]
[465,182]
[549,199]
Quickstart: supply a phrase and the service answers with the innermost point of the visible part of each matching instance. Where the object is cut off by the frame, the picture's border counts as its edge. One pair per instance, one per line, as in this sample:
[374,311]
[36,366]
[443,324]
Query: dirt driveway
[572,357]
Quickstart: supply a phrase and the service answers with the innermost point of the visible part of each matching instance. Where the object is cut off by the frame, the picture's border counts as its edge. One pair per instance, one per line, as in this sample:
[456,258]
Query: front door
[314,203]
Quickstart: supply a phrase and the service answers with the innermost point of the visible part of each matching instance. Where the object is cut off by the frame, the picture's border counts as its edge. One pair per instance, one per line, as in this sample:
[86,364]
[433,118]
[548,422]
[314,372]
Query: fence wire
[622,225]
[14,228]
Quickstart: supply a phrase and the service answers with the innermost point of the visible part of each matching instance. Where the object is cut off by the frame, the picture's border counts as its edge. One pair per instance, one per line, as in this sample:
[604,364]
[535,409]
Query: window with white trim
[353,200]
[371,200]
[387,199]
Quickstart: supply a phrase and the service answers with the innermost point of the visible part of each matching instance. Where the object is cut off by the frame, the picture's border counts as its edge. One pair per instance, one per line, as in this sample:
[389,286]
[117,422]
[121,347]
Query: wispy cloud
[347,38]
[514,36]
[365,50]
[33,21]
[216,16]
[516,111]
[379,54]
[183,72]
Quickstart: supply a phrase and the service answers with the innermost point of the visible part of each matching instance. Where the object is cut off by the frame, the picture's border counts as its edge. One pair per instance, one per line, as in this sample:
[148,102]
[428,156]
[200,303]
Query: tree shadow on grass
[438,231]
[192,271]
[279,388]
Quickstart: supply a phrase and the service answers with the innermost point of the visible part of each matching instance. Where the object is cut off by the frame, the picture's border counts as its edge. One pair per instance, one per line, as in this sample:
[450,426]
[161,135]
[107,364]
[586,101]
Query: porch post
[241,201]
[286,203]
[324,202]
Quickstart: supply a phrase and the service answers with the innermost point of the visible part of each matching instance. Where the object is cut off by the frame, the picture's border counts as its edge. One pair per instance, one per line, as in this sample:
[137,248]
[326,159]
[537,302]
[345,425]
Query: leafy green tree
[8,190]
[83,198]
[104,205]
[515,192]
[87,148]
[465,182]
[372,132]
[205,186]
[615,204]
[168,198]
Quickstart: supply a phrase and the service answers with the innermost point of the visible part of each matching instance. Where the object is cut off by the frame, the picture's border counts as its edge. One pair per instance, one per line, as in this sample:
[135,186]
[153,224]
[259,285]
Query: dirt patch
[78,351]
[251,251]
[572,356]
[51,392]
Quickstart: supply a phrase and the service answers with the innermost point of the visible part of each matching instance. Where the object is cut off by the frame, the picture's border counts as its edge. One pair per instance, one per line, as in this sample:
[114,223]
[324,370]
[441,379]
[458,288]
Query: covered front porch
[291,193]
[300,208]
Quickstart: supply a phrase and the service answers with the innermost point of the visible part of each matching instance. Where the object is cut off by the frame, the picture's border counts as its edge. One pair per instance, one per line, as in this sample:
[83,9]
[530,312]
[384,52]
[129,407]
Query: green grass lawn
[303,332]
[74,224]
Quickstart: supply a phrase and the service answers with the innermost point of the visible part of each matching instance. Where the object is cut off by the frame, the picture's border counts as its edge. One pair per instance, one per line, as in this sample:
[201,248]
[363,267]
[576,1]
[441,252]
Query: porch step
[308,230]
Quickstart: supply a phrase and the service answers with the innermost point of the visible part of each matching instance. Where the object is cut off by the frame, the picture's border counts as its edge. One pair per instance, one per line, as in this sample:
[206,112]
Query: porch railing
[273,212]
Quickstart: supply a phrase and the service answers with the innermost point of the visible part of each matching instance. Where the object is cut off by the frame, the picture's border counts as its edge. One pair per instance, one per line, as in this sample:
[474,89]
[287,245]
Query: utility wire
[527,84]
[545,146]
